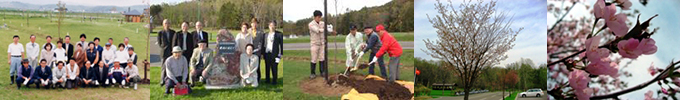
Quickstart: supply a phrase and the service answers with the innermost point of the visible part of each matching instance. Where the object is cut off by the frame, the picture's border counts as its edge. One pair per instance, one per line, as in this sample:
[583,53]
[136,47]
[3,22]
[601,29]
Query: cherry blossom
[578,80]
[632,48]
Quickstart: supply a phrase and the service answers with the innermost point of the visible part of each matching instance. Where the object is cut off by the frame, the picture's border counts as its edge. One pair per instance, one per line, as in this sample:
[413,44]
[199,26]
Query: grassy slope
[298,70]
[43,27]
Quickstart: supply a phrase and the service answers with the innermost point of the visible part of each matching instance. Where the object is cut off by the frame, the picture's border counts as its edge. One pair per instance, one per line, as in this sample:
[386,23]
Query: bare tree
[471,37]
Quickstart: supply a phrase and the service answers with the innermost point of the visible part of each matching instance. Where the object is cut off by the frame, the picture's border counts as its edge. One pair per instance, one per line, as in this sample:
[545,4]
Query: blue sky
[530,43]
[666,40]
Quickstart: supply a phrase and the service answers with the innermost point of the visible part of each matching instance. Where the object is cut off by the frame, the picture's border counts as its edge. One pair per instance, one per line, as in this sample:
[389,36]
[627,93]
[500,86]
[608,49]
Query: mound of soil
[341,85]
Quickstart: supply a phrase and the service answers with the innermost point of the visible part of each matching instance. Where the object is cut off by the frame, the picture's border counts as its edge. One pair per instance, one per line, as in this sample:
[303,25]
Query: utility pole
[325,37]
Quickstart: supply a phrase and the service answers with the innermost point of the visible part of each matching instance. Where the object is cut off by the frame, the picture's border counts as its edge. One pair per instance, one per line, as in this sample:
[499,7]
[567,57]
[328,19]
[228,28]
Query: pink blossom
[664,91]
[599,9]
[676,81]
[603,67]
[649,95]
[616,22]
[578,80]
[652,70]
[625,4]
[592,51]
[632,48]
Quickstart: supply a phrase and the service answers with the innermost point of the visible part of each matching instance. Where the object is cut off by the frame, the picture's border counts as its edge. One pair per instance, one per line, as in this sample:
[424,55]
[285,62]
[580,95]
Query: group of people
[379,42]
[187,57]
[61,65]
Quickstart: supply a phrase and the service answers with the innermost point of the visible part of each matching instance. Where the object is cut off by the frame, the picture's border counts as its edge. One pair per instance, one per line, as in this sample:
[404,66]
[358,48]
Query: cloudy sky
[86,2]
[293,9]
[530,43]
[666,40]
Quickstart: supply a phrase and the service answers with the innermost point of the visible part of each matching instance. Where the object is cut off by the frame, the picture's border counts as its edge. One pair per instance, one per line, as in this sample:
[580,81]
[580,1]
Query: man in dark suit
[185,40]
[43,74]
[88,77]
[102,73]
[273,50]
[199,34]
[258,39]
[68,47]
[165,37]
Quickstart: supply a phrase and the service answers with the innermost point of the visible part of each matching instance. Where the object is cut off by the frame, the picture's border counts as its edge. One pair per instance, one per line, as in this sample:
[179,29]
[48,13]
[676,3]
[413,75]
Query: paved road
[482,96]
[531,98]
[156,59]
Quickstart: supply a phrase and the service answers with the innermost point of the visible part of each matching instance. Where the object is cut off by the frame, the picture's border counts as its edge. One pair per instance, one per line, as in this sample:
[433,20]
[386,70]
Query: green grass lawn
[400,36]
[437,93]
[42,27]
[297,70]
[263,92]
[512,96]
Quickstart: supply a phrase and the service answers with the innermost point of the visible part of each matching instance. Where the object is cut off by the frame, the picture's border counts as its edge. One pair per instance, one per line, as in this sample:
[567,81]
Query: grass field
[262,92]
[512,96]
[400,36]
[42,27]
[297,70]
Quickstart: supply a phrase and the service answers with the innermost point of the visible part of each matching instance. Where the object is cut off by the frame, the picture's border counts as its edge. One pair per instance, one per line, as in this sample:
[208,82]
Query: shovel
[356,62]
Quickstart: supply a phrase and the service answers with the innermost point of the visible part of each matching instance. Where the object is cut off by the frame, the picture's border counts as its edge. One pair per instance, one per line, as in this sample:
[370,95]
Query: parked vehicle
[532,92]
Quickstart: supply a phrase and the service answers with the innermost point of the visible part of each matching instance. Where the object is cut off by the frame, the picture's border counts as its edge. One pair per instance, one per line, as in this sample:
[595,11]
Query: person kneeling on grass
[72,74]
[43,74]
[117,74]
[249,65]
[102,74]
[88,76]
[132,74]
[59,75]
[25,75]
[176,70]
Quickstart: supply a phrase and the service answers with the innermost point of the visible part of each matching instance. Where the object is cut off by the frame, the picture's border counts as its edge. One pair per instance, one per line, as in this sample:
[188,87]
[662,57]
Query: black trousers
[271,67]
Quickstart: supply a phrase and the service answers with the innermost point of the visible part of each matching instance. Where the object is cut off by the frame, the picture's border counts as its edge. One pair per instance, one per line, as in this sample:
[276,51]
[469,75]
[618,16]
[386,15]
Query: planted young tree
[471,36]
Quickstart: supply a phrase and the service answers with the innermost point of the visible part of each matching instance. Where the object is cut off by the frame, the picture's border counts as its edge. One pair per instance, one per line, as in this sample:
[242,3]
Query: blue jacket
[88,73]
[25,72]
[42,74]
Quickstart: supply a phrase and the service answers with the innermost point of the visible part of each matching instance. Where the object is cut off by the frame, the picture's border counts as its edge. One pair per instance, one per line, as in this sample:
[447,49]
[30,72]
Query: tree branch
[565,14]
[662,75]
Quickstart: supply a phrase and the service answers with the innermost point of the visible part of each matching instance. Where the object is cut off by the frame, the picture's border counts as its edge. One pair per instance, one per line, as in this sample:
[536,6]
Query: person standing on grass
[199,34]
[117,74]
[87,75]
[132,56]
[126,41]
[317,42]
[48,38]
[258,39]
[202,57]
[121,55]
[99,49]
[273,51]
[185,40]
[353,42]
[111,42]
[32,51]
[59,75]
[243,38]
[132,74]
[82,42]
[80,56]
[47,54]
[176,70]
[165,39]
[43,74]
[248,65]
[15,52]
[374,44]
[25,74]
[68,47]
[108,55]
[93,55]
[72,74]
[60,53]
[102,75]
[390,46]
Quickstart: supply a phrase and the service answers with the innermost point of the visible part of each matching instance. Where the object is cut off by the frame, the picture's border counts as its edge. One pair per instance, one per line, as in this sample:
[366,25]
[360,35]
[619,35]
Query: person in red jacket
[391,47]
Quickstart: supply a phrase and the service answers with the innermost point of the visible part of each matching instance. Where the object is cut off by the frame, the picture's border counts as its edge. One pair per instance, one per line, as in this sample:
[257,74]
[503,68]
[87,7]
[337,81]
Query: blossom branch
[662,75]
[561,18]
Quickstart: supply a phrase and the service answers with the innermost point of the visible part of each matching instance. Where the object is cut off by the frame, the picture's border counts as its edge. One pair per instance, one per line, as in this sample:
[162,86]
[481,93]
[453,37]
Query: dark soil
[384,89]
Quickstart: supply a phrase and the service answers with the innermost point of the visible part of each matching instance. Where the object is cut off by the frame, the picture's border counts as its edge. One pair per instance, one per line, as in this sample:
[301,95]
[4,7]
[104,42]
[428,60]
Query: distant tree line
[218,13]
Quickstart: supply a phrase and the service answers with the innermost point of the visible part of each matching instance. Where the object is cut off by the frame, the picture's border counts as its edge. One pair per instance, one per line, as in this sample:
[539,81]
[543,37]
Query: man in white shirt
[72,74]
[126,40]
[32,51]
[132,74]
[59,75]
[15,52]
[353,43]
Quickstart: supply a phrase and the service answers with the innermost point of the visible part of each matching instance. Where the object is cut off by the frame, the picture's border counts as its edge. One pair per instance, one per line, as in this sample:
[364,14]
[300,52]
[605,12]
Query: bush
[422,90]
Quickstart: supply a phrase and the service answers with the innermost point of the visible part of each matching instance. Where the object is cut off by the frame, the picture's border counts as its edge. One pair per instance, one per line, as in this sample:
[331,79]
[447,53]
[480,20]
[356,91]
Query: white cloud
[299,9]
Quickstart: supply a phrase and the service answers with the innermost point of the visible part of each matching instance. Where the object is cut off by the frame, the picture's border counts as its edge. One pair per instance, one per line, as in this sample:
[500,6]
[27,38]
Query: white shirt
[126,47]
[72,72]
[109,54]
[270,42]
[132,71]
[60,54]
[58,73]
[32,50]
[15,49]
[113,47]
[121,56]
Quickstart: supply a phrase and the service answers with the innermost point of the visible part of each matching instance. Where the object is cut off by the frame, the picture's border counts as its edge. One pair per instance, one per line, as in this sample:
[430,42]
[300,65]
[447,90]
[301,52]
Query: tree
[470,38]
